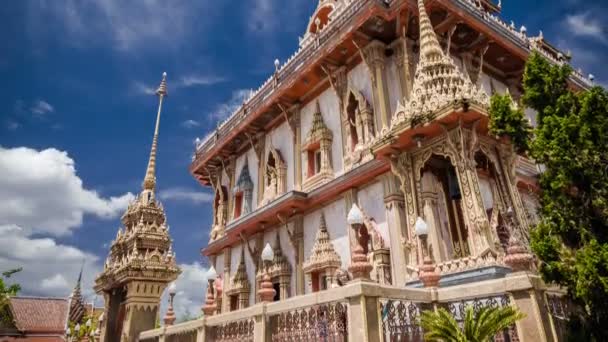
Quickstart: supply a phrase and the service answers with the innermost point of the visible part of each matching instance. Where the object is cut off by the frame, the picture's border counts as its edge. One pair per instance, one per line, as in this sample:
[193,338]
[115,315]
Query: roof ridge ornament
[438,82]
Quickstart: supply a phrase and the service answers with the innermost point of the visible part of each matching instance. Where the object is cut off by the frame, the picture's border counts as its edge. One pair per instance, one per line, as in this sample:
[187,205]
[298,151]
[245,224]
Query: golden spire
[150,179]
[438,83]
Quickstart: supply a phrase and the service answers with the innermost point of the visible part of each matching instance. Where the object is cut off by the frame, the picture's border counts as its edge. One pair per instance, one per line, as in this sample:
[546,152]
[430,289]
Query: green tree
[509,120]
[480,326]
[571,142]
[7,291]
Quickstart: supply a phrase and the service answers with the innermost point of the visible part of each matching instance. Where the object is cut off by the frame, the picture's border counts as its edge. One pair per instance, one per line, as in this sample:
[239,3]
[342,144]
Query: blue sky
[77,113]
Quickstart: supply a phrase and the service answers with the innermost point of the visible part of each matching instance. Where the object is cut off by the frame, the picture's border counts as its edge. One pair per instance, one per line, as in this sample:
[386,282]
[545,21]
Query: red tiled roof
[33,314]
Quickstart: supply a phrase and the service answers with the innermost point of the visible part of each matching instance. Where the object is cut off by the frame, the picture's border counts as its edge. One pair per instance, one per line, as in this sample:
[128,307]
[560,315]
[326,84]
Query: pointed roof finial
[150,179]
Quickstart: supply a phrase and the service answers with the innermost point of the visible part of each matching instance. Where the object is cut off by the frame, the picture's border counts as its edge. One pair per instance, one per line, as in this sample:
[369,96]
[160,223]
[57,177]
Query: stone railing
[367,311]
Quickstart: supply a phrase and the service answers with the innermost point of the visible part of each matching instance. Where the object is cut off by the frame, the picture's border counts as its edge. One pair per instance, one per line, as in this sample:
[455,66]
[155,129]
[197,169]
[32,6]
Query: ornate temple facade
[141,262]
[364,164]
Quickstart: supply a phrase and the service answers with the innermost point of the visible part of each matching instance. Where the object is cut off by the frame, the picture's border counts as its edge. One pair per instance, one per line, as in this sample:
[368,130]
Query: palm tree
[480,326]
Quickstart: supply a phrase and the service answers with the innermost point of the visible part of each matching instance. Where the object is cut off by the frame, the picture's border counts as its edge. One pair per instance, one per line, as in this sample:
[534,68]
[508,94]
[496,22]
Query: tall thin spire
[150,179]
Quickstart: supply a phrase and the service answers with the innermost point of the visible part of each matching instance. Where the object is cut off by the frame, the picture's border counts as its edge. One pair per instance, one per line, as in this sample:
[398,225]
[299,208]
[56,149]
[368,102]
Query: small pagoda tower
[141,262]
[77,307]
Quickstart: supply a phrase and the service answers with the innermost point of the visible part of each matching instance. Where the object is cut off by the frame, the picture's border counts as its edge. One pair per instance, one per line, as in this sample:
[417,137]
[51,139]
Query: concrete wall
[372,203]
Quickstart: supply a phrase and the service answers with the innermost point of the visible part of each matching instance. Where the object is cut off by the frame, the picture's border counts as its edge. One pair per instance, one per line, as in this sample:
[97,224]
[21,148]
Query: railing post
[261,328]
[535,326]
[364,318]
[201,332]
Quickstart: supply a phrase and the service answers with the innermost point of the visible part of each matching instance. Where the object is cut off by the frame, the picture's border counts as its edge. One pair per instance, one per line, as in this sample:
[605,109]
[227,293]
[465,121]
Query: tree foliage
[478,326]
[7,291]
[508,120]
[571,142]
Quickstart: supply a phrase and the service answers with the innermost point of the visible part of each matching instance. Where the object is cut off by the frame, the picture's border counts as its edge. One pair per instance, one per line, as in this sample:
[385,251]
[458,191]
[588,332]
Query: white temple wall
[335,217]
[392,80]
[359,78]
[371,202]
[281,139]
[328,102]
[219,264]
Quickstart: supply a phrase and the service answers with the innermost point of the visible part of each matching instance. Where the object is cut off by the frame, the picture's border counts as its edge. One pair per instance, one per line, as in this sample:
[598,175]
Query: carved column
[230,171]
[350,197]
[508,162]
[401,166]
[460,144]
[259,148]
[226,279]
[297,242]
[296,129]
[402,50]
[376,62]
[397,226]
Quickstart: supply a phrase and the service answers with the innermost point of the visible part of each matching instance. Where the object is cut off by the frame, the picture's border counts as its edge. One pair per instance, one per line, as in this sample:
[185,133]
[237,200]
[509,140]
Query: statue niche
[243,192]
[274,176]
[317,152]
[441,199]
[359,130]
[220,212]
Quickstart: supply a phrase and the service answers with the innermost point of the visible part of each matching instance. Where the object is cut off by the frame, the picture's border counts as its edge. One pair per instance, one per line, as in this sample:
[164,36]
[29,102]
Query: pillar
[376,62]
[230,171]
[201,331]
[259,148]
[226,279]
[364,323]
[397,227]
[298,242]
[296,129]
[402,60]
[535,326]
[350,197]
[401,166]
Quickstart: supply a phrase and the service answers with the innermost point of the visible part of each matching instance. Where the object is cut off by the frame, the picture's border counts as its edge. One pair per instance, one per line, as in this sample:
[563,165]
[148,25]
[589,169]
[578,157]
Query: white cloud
[42,107]
[583,24]
[40,191]
[126,26]
[49,268]
[144,89]
[190,123]
[182,194]
[224,110]
[190,291]
[196,80]
[56,282]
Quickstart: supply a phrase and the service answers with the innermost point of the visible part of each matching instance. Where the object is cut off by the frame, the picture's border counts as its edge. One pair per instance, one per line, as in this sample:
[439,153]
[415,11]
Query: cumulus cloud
[190,291]
[583,24]
[40,191]
[126,26]
[49,268]
[183,194]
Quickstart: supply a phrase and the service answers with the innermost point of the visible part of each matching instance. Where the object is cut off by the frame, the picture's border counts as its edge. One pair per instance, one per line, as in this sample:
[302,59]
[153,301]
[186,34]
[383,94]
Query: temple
[141,262]
[359,185]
